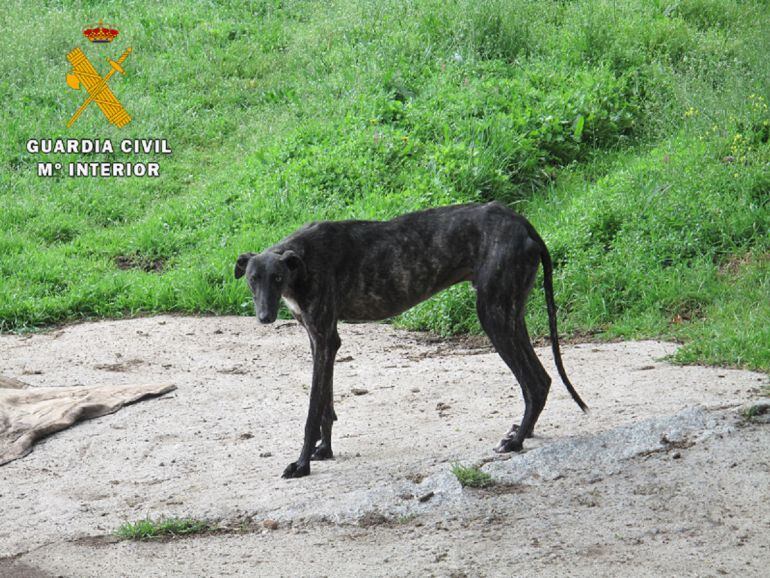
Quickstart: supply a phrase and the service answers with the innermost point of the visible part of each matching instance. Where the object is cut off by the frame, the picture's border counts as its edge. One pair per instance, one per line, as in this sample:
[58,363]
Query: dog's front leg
[325,346]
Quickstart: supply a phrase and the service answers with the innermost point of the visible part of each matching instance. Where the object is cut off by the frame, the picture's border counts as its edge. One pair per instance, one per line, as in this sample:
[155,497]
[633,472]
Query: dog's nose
[264,318]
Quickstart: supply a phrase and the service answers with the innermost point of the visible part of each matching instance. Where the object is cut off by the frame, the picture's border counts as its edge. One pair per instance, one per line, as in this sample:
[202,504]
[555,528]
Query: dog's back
[382,268]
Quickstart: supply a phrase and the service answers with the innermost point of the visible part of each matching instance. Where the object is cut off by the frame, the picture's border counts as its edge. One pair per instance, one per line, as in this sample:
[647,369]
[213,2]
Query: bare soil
[666,475]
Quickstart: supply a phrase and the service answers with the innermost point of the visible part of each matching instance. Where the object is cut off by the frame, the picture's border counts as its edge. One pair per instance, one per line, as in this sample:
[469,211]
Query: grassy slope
[633,134]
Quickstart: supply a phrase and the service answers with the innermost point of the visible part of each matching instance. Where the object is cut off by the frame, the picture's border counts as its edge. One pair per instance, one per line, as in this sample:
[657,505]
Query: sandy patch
[664,476]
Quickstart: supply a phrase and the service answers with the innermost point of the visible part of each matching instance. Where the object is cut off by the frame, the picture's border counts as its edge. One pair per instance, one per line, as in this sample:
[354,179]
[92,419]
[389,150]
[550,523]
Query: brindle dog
[369,270]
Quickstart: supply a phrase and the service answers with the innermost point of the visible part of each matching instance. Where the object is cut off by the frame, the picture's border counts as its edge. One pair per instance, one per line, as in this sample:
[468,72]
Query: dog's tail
[545,257]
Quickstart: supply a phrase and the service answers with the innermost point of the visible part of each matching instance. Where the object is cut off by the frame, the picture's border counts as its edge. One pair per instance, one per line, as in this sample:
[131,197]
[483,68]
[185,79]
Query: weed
[756,410]
[472,477]
[164,527]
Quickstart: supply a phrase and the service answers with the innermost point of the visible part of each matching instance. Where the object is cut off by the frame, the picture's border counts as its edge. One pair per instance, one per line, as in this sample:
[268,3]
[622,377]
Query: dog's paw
[296,470]
[509,444]
[514,429]
[322,452]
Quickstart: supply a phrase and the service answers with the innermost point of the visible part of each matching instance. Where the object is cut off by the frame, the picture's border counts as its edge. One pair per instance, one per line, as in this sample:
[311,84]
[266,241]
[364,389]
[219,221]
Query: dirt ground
[665,476]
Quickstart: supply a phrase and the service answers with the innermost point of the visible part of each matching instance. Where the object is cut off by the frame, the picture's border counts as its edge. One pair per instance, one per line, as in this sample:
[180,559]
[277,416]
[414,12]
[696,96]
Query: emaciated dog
[369,270]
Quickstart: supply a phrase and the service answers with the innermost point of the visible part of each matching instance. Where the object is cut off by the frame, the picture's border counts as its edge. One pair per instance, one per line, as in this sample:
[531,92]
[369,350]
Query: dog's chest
[293,307]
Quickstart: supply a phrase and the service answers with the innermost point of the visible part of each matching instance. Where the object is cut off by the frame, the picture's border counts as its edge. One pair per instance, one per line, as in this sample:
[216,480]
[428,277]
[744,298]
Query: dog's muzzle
[265,318]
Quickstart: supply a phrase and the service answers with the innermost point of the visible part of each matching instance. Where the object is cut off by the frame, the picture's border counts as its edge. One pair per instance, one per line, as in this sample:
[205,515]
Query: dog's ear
[295,263]
[240,264]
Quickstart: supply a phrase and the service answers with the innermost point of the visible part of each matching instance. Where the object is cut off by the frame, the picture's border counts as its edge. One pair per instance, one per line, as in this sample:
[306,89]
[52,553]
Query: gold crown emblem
[100,33]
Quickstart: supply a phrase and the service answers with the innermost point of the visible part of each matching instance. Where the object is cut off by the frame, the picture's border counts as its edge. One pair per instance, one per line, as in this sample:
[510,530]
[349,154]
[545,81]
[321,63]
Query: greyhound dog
[334,271]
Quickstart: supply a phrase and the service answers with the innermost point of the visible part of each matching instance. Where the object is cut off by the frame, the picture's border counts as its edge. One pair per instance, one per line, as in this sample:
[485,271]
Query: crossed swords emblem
[83,73]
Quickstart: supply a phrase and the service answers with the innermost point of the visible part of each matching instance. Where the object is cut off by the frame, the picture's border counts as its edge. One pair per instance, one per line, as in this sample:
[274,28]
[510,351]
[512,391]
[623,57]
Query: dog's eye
[278,278]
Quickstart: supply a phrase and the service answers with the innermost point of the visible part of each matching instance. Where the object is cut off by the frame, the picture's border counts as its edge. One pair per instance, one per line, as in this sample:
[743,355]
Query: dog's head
[269,275]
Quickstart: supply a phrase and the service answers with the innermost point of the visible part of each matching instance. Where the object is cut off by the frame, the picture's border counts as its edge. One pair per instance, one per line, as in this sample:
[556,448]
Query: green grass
[754,411]
[471,477]
[633,134]
[148,529]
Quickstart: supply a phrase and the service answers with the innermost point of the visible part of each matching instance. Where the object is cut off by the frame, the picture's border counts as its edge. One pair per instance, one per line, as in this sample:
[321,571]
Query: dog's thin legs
[323,451]
[500,306]
[511,341]
[540,382]
[325,346]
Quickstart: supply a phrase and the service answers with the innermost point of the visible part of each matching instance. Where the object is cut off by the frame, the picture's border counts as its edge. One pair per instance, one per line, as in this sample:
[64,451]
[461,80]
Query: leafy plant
[164,527]
[471,477]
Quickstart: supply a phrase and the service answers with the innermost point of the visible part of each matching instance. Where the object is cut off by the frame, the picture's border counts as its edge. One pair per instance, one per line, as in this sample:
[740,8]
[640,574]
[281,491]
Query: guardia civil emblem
[84,75]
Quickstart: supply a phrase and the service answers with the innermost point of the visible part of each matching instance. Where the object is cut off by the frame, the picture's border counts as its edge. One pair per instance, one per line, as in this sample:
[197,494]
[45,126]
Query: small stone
[426,497]
[359,391]
[270,524]
[265,454]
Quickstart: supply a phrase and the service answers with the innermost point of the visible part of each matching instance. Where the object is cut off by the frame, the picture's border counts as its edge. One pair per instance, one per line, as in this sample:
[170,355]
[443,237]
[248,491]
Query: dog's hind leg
[539,384]
[500,305]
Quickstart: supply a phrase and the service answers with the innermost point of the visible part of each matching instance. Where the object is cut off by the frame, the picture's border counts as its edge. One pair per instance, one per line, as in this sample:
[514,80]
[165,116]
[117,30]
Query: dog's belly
[374,310]
[379,298]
